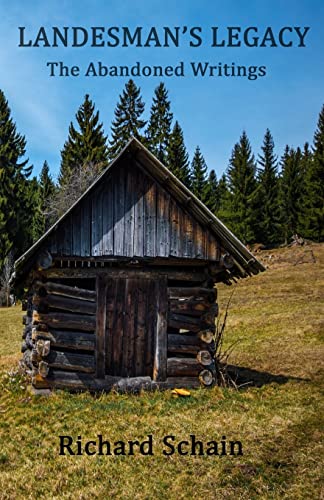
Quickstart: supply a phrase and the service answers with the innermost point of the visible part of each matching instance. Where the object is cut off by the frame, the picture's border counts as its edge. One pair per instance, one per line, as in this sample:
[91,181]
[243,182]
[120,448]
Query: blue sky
[212,111]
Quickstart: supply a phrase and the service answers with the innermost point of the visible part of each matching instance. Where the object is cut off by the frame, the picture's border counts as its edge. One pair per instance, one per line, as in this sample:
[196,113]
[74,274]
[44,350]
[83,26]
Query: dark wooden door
[131,333]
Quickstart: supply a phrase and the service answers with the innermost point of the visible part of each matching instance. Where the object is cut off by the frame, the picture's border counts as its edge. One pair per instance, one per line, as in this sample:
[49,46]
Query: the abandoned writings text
[195,69]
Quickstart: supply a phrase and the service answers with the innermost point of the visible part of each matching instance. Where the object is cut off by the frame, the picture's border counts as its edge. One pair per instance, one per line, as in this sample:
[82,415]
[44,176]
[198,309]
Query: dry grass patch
[10,336]
[278,315]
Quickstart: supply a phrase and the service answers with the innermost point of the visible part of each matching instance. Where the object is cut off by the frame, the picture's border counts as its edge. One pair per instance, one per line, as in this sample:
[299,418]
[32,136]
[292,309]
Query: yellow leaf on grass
[181,392]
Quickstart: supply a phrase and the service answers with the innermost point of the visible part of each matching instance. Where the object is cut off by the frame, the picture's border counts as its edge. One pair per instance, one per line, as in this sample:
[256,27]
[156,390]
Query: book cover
[161,249]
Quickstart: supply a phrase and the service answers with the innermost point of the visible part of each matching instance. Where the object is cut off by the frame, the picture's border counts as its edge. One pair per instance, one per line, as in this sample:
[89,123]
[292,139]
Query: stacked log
[27,344]
[60,342]
[59,331]
[191,329]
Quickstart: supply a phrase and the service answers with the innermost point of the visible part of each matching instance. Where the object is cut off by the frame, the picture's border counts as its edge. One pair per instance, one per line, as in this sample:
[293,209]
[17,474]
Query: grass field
[278,319]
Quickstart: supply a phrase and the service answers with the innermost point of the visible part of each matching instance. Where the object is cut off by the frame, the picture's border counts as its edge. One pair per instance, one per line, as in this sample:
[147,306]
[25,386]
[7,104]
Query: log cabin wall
[60,330]
[191,327]
[61,334]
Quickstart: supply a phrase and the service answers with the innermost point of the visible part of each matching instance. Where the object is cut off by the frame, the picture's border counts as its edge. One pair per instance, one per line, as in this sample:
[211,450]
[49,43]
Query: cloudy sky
[212,111]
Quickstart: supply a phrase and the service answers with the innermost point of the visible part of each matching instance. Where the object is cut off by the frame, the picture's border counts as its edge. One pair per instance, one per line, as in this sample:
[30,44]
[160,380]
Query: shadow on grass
[243,376]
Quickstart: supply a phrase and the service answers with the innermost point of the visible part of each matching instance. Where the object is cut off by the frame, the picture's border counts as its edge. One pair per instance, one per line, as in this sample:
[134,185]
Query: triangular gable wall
[129,214]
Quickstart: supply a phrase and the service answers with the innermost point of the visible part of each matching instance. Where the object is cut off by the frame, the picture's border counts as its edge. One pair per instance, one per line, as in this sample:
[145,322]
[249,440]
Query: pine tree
[14,173]
[88,145]
[199,184]
[305,172]
[290,191]
[314,184]
[178,159]
[47,192]
[33,217]
[127,122]
[240,209]
[159,126]
[212,197]
[307,157]
[222,190]
[268,203]
[46,182]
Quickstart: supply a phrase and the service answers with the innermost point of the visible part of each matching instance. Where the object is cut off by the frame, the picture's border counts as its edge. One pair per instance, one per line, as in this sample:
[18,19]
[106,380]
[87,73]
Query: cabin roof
[245,263]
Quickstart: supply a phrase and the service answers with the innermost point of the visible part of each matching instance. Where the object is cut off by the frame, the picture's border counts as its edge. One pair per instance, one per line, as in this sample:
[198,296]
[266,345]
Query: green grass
[279,318]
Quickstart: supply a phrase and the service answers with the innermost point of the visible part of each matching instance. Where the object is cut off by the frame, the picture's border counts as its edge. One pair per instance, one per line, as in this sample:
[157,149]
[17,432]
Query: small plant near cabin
[221,356]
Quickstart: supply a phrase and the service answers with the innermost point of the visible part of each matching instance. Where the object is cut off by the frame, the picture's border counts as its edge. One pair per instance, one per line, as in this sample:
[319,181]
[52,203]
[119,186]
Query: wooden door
[131,327]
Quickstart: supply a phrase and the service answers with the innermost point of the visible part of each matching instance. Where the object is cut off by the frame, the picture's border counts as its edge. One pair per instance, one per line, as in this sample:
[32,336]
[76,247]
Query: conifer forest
[264,197]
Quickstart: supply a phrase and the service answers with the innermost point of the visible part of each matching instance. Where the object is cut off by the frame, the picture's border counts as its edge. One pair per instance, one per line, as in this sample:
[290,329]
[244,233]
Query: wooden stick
[183,344]
[185,382]
[133,384]
[62,320]
[183,349]
[179,367]
[192,293]
[66,304]
[160,354]
[100,354]
[79,341]
[190,304]
[175,339]
[185,322]
[71,361]
[84,382]
[92,272]
[69,291]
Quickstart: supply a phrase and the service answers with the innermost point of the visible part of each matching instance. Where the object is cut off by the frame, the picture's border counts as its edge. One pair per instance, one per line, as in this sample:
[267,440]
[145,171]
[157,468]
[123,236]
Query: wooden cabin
[121,290]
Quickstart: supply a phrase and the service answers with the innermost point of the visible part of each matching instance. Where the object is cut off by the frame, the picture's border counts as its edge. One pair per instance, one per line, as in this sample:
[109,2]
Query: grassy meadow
[276,318]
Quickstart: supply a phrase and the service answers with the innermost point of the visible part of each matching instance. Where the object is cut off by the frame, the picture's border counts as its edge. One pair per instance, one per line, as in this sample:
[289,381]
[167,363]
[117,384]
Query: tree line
[263,198]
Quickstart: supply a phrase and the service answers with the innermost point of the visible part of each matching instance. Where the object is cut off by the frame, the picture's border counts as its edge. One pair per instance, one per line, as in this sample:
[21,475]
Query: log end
[206,377]
[204,358]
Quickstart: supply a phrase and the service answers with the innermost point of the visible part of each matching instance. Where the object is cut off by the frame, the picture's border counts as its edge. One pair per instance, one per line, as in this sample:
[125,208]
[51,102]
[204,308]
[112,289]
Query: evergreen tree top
[242,167]
[12,144]
[178,158]
[85,144]
[198,172]
[45,171]
[212,176]
[127,122]
[159,126]
[45,179]
[90,128]
[268,160]
[318,147]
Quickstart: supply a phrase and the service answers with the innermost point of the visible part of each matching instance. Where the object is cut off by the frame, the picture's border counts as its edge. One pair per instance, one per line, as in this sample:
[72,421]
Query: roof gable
[137,207]
[129,214]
